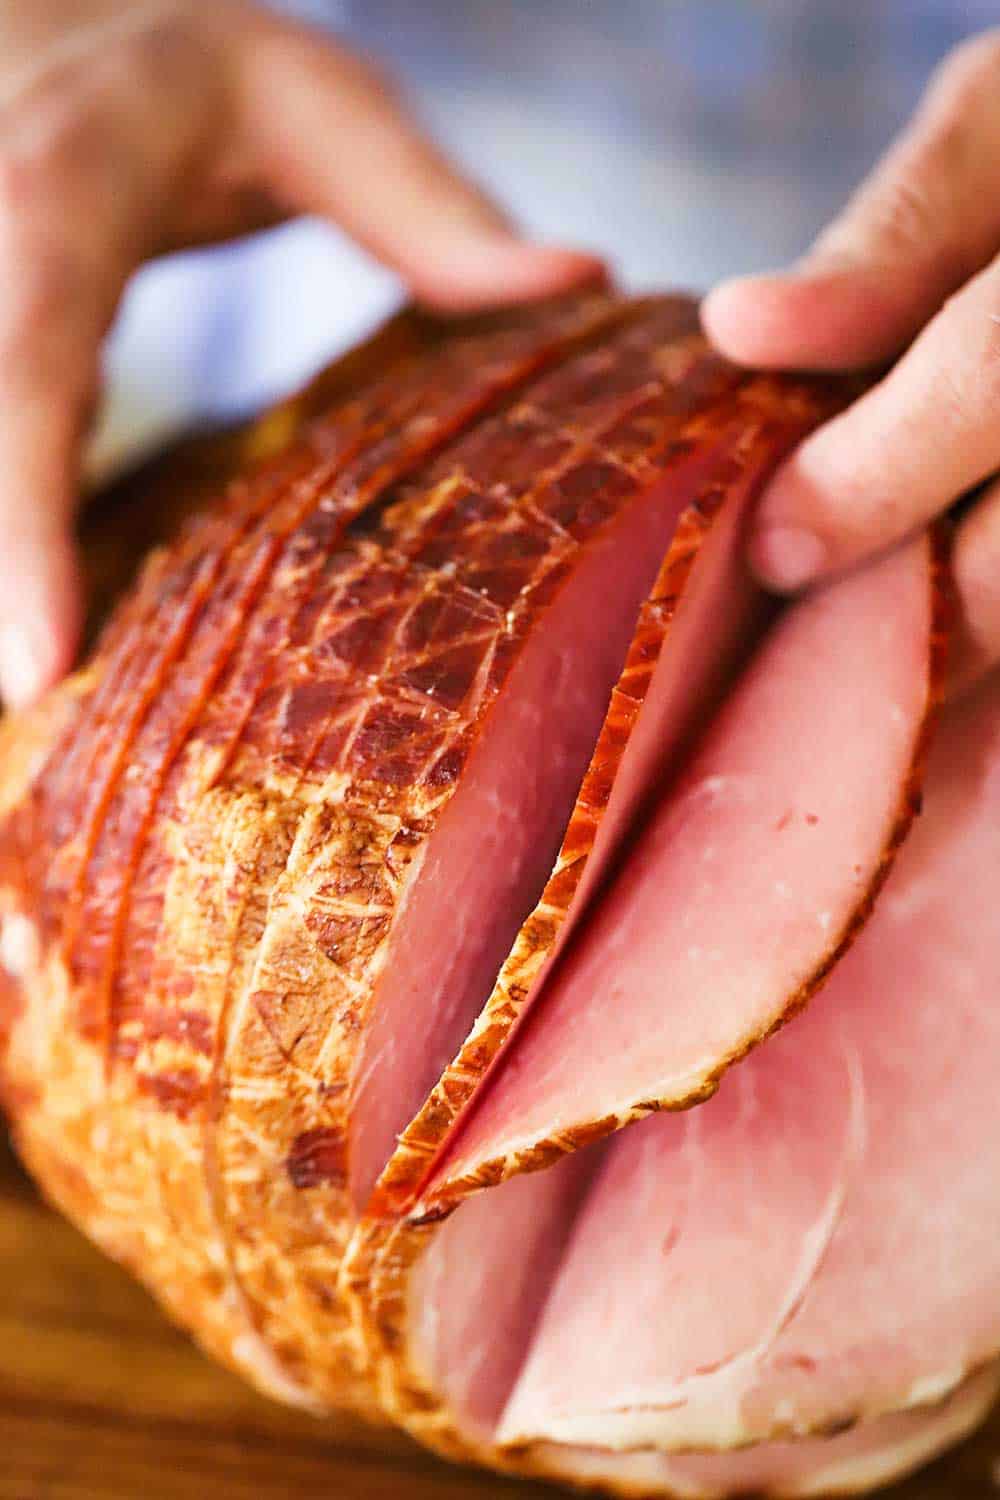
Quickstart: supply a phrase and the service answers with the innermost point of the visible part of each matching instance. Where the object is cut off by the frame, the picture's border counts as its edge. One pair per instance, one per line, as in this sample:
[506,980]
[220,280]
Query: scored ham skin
[283,523]
[201,1128]
[147,506]
[195,600]
[877,1103]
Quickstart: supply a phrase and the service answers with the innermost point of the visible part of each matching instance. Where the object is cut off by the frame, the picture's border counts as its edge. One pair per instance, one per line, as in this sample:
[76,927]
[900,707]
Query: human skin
[907,276]
[129,129]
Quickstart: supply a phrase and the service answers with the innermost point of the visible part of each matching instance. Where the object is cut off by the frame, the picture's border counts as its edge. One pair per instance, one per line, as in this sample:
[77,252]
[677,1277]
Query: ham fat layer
[847,1463]
[317,854]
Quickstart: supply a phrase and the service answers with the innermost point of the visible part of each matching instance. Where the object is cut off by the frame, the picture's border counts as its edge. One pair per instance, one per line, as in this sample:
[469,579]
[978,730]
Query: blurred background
[682,139]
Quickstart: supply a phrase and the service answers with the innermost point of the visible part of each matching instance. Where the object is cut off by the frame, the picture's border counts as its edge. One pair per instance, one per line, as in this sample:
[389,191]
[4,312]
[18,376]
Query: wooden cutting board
[101,1399]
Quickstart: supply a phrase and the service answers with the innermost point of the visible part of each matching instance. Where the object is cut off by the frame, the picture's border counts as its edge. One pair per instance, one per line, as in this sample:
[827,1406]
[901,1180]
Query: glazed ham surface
[441,799]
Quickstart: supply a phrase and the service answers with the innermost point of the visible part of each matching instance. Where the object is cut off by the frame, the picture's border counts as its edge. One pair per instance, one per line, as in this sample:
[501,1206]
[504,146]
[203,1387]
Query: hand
[913,257]
[128,129]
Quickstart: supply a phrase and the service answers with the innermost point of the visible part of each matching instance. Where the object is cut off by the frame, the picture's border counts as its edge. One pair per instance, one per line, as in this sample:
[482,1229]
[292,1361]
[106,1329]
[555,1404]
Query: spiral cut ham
[440,811]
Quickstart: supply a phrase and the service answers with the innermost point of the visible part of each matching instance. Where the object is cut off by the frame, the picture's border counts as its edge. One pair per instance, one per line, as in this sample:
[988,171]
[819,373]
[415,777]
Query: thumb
[924,222]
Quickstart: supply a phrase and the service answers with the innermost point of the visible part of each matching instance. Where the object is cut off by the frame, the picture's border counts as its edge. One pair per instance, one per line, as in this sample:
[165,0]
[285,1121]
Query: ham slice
[747,883]
[403,738]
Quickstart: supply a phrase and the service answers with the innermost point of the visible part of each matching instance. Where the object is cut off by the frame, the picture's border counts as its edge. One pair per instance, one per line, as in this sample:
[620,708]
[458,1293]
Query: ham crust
[371,780]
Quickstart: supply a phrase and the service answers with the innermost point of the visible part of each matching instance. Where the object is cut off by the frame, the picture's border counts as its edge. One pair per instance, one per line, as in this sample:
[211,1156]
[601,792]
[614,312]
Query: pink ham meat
[816,1247]
[526,1224]
[748,881]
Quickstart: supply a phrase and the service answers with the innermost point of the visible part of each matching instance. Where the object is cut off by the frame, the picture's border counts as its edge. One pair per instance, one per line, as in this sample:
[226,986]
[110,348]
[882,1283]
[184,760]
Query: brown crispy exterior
[146,508]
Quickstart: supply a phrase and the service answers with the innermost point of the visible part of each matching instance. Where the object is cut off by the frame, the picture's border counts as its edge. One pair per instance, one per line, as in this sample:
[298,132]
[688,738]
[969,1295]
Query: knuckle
[893,217]
[372,76]
[168,54]
[28,280]
[360,76]
[37,266]
[907,212]
[44,131]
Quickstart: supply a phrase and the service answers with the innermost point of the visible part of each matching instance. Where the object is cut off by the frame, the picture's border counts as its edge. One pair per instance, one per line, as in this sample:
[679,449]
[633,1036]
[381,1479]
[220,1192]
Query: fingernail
[787,557]
[24,666]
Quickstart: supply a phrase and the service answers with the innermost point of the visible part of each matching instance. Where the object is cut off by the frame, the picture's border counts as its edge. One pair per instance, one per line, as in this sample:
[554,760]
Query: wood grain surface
[101,1399]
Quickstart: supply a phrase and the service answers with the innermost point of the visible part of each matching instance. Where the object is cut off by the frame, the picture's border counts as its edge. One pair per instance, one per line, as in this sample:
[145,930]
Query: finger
[49,335]
[61,272]
[333,140]
[99,156]
[975,566]
[897,457]
[39,584]
[925,221]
